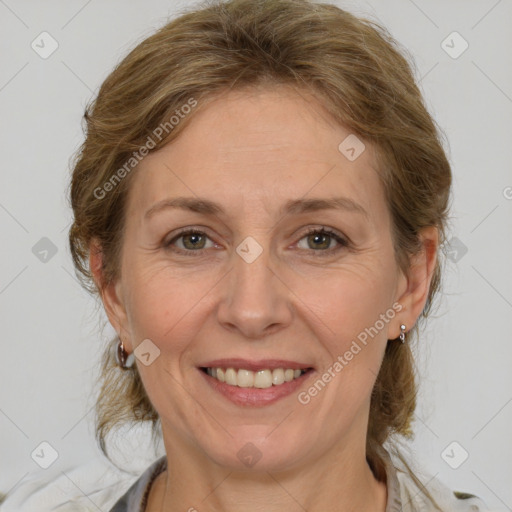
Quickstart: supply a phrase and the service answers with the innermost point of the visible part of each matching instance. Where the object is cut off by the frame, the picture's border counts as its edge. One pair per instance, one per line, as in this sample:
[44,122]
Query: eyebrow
[291,207]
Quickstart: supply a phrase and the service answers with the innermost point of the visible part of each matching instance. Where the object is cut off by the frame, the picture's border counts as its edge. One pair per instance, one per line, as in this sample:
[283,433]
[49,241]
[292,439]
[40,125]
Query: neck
[343,481]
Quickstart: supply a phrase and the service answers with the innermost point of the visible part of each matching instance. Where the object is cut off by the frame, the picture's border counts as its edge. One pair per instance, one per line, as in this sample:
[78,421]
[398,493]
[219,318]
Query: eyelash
[312,231]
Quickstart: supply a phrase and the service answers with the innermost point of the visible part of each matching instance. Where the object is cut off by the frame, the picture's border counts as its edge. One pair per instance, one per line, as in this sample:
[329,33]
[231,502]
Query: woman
[259,202]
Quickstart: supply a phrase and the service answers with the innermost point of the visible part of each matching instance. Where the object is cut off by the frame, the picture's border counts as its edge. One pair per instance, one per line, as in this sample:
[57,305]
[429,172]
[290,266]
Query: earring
[122,356]
[402,333]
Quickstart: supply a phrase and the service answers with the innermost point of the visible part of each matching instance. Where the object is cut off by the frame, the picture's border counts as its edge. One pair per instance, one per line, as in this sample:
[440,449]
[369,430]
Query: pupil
[319,237]
[194,238]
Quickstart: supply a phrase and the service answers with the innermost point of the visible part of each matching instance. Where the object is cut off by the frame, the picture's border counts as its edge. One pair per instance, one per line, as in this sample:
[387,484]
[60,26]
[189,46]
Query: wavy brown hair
[359,74]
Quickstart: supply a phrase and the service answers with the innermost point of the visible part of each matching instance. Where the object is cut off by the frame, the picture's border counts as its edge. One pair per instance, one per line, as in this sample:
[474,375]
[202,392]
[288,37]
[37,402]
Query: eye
[193,240]
[321,238]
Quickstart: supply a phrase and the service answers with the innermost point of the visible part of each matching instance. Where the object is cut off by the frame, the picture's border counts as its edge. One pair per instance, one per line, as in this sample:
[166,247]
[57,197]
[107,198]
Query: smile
[260,379]
[255,383]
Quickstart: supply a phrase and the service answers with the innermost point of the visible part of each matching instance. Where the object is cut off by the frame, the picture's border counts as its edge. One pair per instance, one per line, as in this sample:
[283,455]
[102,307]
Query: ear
[414,288]
[111,295]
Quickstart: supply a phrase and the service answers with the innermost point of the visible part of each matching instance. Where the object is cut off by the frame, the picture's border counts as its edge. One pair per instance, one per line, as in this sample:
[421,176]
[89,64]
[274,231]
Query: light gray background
[50,333]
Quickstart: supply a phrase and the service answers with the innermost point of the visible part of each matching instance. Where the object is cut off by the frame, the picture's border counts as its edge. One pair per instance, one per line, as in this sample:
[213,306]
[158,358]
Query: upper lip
[262,364]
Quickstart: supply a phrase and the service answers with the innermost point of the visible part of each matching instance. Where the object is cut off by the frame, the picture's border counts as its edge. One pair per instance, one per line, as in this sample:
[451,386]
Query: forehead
[257,149]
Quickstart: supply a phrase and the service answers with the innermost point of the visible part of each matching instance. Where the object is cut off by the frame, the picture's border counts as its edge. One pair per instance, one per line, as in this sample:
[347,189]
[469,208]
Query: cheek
[163,305]
[347,300]
[352,309]
[353,318]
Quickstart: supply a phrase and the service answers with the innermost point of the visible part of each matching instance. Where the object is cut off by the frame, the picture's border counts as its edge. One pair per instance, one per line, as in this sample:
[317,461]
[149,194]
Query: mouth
[255,384]
[261,379]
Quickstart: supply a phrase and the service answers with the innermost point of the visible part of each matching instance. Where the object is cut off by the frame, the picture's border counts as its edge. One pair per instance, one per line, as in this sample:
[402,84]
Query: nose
[255,299]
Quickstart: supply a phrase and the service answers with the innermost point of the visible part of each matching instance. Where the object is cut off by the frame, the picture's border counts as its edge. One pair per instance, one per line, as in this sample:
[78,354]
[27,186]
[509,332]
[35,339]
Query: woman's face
[254,290]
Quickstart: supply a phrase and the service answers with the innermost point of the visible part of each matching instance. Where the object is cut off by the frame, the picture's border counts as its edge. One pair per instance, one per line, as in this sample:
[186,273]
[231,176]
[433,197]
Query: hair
[361,76]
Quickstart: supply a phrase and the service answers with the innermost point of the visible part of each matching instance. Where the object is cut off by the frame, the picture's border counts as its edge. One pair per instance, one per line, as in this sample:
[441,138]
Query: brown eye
[192,241]
[320,240]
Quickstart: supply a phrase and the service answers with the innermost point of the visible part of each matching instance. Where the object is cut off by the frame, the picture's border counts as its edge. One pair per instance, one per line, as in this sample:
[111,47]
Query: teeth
[230,377]
[278,376]
[288,375]
[245,379]
[249,379]
[263,379]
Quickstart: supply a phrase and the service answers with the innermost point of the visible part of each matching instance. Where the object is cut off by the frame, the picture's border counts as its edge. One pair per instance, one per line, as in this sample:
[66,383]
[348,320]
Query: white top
[102,486]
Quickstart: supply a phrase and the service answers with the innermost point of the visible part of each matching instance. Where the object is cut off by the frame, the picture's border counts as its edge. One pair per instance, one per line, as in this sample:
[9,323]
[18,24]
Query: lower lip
[255,397]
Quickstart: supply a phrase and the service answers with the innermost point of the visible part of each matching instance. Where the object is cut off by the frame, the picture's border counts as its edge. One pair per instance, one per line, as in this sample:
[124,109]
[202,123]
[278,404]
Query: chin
[258,452]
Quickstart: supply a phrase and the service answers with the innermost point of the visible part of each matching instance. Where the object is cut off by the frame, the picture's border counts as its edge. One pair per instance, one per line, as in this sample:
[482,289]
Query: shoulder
[414,498]
[90,487]
[410,492]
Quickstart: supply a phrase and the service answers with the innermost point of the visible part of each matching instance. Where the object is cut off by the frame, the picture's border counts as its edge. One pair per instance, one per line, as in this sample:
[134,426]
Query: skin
[251,151]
